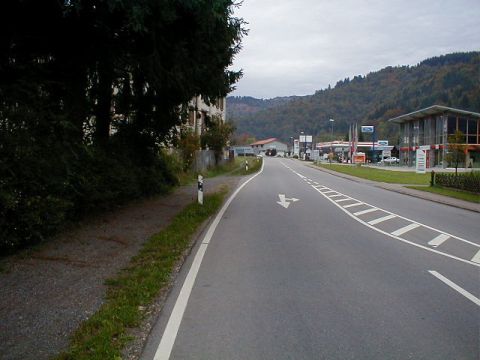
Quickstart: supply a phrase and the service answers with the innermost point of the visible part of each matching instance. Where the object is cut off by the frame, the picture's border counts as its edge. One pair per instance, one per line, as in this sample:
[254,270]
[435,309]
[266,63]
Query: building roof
[432,110]
[263,142]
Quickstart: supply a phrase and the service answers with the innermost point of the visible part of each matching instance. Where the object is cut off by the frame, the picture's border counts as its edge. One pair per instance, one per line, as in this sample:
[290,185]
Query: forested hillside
[451,80]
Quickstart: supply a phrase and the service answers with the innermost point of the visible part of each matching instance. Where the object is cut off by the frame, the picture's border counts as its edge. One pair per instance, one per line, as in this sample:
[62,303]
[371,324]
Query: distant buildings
[428,129]
[268,145]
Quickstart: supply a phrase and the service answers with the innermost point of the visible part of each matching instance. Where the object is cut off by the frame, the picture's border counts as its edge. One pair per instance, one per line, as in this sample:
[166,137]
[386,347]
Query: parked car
[391,160]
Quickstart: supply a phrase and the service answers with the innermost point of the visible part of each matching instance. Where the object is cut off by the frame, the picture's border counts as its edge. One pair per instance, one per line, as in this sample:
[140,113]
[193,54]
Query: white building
[199,112]
[262,146]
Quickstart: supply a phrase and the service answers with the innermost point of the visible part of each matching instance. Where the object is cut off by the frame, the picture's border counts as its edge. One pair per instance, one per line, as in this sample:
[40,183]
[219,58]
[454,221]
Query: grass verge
[104,335]
[388,176]
[457,194]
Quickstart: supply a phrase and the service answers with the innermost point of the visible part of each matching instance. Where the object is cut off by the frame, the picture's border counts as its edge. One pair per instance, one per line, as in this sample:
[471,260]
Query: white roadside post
[200,189]
[246,165]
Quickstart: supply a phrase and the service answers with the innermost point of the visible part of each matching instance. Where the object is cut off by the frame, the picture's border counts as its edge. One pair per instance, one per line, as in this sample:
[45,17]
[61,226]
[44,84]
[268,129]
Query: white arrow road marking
[285,201]
[455,287]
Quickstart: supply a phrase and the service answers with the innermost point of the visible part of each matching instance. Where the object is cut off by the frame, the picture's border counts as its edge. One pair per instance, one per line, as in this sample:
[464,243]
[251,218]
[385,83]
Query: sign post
[200,189]
[420,163]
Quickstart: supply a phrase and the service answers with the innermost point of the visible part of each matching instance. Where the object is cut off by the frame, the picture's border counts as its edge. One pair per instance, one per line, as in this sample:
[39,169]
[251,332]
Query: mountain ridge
[451,80]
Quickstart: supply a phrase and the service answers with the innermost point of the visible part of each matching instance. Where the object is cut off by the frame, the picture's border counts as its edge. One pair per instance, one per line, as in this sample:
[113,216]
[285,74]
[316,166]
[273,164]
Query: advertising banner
[421,162]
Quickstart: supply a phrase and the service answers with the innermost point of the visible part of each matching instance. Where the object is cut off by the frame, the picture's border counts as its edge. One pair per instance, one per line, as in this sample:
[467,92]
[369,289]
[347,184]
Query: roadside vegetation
[457,194]
[387,176]
[104,335]
[91,96]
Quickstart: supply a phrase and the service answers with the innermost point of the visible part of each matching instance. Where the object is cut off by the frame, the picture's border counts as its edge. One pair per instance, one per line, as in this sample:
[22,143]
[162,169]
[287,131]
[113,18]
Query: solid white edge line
[401,239]
[171,330]
[455,287]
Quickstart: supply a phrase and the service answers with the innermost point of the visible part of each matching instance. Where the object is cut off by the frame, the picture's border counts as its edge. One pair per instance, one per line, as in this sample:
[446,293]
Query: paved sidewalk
[446,200]
[46,292]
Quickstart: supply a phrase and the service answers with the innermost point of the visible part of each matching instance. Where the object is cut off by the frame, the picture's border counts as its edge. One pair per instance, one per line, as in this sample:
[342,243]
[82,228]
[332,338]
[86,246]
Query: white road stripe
[412,243]
[365,211]
[476,258]
[439,240]
[405,229]
[171,330]
[455,287]
[329,192]
[352,205]
[336,195]
[382,219]
[341,200]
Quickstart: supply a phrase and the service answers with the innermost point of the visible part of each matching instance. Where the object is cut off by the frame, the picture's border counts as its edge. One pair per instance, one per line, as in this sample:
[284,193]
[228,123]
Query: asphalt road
[347,271]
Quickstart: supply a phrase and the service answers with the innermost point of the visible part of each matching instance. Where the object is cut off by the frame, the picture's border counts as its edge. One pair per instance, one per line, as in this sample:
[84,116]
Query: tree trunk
[104,102]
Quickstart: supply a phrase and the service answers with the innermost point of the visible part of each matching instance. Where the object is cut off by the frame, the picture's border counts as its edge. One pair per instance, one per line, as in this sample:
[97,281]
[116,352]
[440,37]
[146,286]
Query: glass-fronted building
[428,129]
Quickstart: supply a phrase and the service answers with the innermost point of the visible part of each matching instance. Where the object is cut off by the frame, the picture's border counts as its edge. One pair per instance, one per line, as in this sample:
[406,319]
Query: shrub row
[464,181]
[43,188]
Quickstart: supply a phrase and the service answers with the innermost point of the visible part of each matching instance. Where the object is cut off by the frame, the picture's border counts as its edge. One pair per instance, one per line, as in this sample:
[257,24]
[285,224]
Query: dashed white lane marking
[476,258]
[455,287]
[171,330]
[352,205]
[405,229]
[382,219]
[365,211]
[439,240]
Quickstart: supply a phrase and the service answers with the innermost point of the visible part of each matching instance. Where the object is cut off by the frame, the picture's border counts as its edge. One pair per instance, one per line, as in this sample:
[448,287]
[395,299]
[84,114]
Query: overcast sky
[295,47]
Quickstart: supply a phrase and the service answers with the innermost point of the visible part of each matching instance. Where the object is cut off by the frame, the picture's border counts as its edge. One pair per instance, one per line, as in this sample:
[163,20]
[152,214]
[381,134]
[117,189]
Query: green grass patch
[387,176]
[457,194]
[104,335]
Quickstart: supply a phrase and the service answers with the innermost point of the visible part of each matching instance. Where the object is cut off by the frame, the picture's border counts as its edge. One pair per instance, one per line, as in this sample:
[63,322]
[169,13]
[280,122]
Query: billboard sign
[367,129]
[421,163]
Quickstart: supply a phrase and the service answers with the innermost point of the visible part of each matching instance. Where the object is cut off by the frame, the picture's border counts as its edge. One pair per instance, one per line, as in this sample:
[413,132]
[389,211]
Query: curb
[405,191]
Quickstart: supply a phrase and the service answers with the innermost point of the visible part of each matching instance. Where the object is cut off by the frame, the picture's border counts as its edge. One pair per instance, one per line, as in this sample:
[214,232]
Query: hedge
[464,181]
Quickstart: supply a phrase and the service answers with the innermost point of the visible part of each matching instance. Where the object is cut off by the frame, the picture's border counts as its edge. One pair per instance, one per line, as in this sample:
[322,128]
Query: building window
[452,125]
[462,125]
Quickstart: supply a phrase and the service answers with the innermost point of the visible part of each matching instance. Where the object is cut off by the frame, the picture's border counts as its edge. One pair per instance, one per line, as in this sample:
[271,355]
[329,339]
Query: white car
[391,160]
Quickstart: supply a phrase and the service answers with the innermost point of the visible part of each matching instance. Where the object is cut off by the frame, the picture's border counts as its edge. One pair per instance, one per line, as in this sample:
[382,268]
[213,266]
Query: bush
[465,181]
[50,189]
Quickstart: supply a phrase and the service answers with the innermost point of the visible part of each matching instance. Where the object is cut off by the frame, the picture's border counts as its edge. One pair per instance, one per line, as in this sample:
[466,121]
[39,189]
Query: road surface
[306,265]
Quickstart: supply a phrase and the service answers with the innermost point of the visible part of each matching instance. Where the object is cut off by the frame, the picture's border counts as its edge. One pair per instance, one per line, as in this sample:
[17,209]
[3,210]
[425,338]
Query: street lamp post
[300,140]
[331,143]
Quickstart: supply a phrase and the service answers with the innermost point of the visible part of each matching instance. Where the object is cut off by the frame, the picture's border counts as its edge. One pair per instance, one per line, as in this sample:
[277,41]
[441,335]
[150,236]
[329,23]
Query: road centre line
[439,240]
[171,330]
[455,287]
[366,211]
[405,229]
[343,208]
[382,219]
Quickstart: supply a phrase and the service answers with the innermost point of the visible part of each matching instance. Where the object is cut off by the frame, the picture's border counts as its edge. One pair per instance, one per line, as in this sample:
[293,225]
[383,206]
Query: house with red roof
[271,146]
